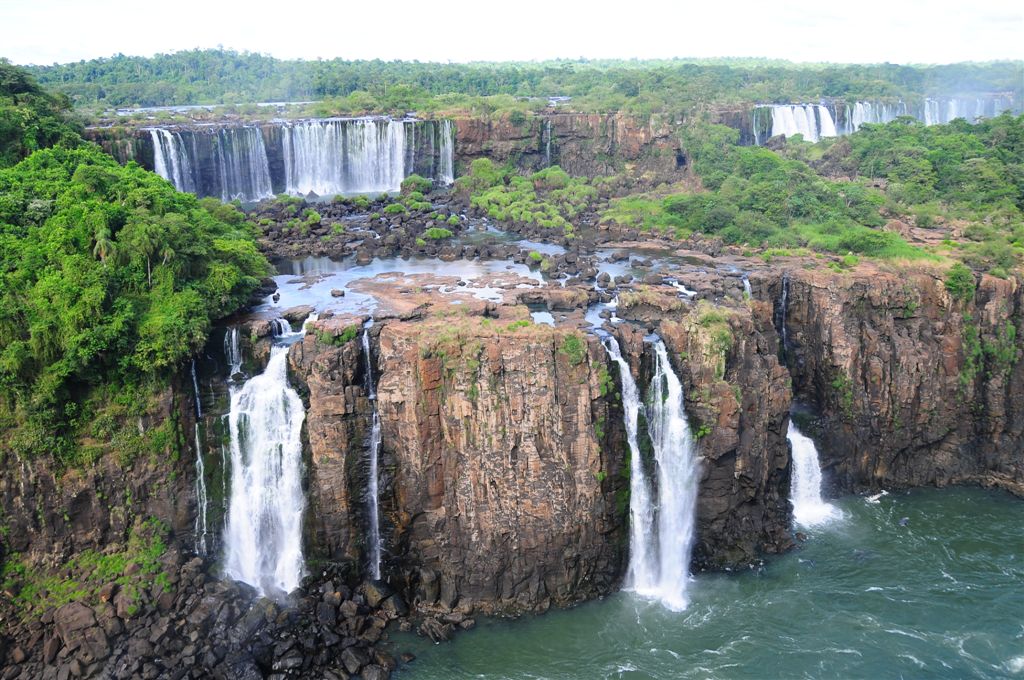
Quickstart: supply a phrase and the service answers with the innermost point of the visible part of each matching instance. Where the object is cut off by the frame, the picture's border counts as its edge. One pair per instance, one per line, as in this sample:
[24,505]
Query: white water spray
[263,536]
[661,534]
[805,493]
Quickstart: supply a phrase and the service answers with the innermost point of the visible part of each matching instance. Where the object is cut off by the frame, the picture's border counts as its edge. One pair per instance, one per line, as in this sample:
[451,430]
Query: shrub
[415,183]
[960,282]
[437,233]
[394,209]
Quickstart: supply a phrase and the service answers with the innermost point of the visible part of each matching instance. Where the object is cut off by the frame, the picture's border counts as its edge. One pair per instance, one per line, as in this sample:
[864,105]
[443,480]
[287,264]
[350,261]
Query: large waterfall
[661,531]
[263,536]
[229,163]
[805,492]
[323,156]
[242,165]
[329,157]
[372,493]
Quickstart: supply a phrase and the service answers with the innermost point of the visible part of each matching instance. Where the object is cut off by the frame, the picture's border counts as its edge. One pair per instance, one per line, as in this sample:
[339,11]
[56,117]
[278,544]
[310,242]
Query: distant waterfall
[747,292]
[813,121]
[202,499]
[942,110]
[661,534]
[372,492]
[263,536]
[818,121]
[805,492]
[242,165]
[870,112]
[172,160]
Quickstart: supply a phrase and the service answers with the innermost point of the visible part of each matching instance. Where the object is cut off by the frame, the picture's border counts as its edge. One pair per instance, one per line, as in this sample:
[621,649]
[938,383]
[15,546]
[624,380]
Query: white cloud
[937,31]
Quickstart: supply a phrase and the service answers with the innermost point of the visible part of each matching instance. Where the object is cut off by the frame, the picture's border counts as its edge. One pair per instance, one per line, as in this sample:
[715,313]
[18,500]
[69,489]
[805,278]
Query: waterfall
[328,157]
[547,142]
[805,493]
[813,121]
[233,352]
[242,165]
[746,288]
[202,500]
[171,159]
[446,159]
[871,112]
[372,494]
[677,483]
[641,507]
[781,313]
[661,534]
[263,536]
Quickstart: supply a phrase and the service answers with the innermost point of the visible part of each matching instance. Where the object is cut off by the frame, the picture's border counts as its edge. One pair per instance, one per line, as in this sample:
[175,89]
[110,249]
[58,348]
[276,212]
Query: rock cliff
[914,386]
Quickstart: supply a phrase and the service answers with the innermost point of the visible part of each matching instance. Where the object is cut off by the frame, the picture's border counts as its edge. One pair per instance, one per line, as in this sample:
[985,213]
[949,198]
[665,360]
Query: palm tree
[104,247]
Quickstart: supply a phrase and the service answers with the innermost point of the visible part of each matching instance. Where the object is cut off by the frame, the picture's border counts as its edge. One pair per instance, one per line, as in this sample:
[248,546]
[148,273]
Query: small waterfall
[446,154]
[171,159]
[263,536]
[781,313]
[659,561]
[746,288]
[641,507]
[547,142]
[805,494]
[280,327]
[232,352]
[202,500]
[372,492]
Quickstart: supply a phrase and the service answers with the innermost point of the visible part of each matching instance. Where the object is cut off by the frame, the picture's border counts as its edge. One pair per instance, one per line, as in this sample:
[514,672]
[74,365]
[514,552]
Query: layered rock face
[915,387]
[505,474]
[582,144]
[50,514]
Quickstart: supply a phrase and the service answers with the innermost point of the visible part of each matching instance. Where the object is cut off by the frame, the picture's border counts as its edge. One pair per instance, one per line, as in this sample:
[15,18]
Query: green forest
[635,86]
[109,279]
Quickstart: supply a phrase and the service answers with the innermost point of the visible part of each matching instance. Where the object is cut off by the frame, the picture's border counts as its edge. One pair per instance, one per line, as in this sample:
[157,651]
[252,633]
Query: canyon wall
[582,144]
[914,386]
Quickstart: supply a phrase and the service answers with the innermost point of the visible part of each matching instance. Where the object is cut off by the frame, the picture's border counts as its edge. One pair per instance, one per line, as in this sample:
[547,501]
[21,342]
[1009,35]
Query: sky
[866,31]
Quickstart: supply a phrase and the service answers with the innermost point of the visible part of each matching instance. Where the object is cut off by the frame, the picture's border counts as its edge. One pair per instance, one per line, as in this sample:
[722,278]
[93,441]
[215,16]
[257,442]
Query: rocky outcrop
[331,376]
[582,144]
[506,466]
[914,386]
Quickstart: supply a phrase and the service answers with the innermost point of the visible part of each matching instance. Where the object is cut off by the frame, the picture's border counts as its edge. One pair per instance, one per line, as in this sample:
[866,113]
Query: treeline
[228,77]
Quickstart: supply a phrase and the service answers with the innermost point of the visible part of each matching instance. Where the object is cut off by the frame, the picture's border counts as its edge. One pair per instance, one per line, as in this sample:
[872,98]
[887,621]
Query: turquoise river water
[939,594]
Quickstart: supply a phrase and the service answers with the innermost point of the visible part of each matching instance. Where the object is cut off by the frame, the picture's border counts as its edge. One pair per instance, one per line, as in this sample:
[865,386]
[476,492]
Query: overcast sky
[899,31]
